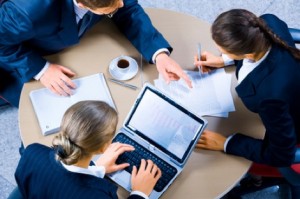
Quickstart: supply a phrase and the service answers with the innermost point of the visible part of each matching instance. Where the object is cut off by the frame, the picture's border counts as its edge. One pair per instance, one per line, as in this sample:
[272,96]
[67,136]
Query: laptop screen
[165,124]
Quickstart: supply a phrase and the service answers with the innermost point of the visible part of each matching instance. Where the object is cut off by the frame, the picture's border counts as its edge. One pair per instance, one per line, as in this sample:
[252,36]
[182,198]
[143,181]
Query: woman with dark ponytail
[268,74]
[64,171]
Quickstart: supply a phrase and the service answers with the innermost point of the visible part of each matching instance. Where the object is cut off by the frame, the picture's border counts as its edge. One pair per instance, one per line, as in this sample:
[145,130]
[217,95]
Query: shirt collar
[258,61]
[98,171]
[80,12]
[249,65]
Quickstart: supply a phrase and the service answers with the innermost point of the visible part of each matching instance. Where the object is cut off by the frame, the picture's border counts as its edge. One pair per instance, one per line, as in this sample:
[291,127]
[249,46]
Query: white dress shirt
[98,171]
[79,12]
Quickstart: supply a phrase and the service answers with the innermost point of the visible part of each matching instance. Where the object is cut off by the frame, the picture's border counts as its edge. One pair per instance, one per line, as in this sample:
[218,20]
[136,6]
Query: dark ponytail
[277,40]
[241,32]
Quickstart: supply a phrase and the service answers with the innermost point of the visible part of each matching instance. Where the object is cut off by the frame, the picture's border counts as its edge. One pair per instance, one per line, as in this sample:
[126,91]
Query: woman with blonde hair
[64,170]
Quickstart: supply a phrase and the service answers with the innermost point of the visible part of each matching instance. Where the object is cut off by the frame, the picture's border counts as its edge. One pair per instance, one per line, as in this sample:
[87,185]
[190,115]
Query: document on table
[50,108]
[210,94]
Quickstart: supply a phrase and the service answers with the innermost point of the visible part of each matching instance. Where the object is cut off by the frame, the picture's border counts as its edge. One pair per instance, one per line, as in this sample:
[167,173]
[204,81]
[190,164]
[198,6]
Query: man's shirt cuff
[160,51]
[39,75]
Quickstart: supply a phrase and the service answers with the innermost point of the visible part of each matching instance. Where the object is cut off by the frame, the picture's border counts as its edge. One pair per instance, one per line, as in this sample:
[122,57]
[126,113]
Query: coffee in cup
[123,64]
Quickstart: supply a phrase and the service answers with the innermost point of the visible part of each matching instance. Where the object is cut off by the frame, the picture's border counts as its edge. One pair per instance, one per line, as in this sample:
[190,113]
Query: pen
[123,84]
[199,58]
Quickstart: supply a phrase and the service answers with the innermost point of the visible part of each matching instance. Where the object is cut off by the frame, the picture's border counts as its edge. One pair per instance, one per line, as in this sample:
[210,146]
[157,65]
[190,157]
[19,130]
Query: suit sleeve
[15,29]
[135,196]
[279,27]
[137,27]
[279,144]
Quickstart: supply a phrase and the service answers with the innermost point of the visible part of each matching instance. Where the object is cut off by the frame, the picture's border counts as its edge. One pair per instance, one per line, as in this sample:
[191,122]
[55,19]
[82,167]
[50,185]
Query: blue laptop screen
[165,124]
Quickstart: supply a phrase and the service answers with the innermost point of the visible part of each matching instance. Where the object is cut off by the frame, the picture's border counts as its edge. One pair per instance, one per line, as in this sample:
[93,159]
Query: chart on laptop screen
[164,123]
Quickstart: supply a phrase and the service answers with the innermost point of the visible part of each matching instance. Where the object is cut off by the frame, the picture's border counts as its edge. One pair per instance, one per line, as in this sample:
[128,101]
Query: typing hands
[146,177]
[111,154]
[142,180]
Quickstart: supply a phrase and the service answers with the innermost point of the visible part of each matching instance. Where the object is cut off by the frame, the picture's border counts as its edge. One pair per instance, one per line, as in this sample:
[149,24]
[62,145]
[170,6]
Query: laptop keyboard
[140,152]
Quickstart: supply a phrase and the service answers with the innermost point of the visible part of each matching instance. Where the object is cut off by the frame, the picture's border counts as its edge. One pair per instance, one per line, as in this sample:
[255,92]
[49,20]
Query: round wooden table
[208,174]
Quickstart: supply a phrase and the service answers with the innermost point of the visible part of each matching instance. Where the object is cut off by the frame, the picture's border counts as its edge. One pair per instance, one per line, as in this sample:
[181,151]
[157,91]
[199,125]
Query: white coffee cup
[123,67]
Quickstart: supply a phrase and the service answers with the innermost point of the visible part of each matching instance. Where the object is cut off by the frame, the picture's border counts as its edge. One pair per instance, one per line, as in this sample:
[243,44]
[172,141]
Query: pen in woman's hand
[199,58]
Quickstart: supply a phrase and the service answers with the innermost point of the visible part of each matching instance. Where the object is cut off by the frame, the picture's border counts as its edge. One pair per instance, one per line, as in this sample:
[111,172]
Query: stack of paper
[210,94]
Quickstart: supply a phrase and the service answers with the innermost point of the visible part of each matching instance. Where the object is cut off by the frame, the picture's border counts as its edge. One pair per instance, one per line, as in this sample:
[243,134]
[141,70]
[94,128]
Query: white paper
[210,94]
[50,108]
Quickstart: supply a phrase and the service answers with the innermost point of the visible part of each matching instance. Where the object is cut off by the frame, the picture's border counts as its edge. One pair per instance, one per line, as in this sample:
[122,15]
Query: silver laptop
[161,130]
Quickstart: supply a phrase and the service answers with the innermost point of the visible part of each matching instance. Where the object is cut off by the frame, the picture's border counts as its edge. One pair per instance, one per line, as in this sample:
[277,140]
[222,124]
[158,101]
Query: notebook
[50,108]
[161,130]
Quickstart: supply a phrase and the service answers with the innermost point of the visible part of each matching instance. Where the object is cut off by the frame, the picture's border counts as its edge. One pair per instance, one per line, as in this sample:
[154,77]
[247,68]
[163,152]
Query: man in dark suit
[31,29]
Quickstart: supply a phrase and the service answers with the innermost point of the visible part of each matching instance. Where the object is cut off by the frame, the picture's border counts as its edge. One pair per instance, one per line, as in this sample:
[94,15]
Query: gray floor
[288,10]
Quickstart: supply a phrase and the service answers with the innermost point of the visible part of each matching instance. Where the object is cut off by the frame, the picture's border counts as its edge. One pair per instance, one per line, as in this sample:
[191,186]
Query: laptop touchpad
[123,178]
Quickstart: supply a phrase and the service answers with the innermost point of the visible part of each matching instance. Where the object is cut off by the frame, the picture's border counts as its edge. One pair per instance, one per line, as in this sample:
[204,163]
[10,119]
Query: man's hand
[57,79]
[170,70]
[111,154]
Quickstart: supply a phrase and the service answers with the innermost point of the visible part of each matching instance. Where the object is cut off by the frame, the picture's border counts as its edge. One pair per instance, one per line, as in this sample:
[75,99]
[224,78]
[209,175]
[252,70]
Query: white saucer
[121,75]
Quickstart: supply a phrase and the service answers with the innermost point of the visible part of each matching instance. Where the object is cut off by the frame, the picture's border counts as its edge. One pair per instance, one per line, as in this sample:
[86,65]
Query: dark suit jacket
[273,91]
[39,175]
[31,29]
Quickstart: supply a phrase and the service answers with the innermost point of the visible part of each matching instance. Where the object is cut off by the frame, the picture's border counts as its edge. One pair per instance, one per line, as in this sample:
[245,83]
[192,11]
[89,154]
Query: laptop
[161,130]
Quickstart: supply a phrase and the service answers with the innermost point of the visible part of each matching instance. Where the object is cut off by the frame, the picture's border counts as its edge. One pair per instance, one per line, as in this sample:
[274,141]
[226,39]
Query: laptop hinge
[175,162]
[154,149]
[151,147]
[127,131]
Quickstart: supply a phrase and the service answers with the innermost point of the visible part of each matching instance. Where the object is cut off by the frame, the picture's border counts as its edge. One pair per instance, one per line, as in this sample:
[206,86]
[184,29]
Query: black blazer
[273,91]
[39,175]
[31,29]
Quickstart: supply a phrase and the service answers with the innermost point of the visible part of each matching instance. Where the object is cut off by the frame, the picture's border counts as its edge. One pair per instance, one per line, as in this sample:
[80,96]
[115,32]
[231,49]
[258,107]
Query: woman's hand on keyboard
[145,178]
[110,155]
